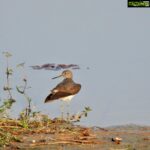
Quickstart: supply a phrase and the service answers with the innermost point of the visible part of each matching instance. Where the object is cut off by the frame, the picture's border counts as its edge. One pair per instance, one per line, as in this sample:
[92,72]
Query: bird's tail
[55,96]
[49,98]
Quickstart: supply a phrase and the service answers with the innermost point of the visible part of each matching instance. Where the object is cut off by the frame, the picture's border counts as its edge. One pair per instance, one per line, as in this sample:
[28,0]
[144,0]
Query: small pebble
[117,140]
[33,141]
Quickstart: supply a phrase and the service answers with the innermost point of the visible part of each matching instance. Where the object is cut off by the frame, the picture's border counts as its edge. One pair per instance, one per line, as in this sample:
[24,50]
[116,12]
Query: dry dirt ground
[60,135]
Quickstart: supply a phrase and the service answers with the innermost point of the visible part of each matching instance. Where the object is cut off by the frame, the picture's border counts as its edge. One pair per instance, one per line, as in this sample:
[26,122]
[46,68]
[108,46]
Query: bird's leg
[68,110]
[62,110]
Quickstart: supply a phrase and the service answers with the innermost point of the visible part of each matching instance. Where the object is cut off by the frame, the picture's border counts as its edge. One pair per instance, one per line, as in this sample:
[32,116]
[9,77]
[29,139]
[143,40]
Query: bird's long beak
[57,77]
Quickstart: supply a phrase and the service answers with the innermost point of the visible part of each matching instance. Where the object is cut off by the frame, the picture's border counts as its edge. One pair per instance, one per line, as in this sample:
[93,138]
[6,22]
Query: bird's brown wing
[63,89]
[74,89]
[68,87]
[57,95]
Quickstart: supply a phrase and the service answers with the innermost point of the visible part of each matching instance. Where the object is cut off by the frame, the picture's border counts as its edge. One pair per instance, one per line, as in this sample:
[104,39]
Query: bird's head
[65,74]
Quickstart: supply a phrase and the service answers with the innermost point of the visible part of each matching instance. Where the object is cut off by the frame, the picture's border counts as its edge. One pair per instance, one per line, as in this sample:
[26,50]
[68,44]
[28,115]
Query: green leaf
[6,104]
[88,109]
[7,54]
[9,71]
[85,114]
[21,65]
[16,139]
[6,88]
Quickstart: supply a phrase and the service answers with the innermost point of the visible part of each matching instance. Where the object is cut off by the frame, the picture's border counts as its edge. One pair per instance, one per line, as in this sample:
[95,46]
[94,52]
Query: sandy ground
[66,136]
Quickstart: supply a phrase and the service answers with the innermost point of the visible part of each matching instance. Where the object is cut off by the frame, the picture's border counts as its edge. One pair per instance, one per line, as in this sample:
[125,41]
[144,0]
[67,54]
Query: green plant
[9,100]
[25,114]
[7,137]
[24,119]
[6,105]
[9,72]
[77,117]
[23,92]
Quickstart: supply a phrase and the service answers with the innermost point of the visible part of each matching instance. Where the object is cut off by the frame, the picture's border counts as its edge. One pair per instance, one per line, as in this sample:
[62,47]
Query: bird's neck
[67,79]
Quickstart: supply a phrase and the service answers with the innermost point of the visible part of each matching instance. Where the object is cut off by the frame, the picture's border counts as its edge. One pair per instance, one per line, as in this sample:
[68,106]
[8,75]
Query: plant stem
[7,78]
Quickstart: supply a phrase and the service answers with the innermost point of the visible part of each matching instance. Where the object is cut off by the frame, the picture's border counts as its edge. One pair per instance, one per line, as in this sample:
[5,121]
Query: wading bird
[65,90]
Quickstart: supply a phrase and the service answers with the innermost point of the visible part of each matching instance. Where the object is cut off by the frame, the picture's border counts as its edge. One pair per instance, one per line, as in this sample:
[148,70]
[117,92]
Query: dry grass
[64,135]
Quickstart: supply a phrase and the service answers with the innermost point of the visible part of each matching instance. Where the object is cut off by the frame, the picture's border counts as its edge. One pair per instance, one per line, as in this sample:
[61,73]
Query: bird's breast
[67,98]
